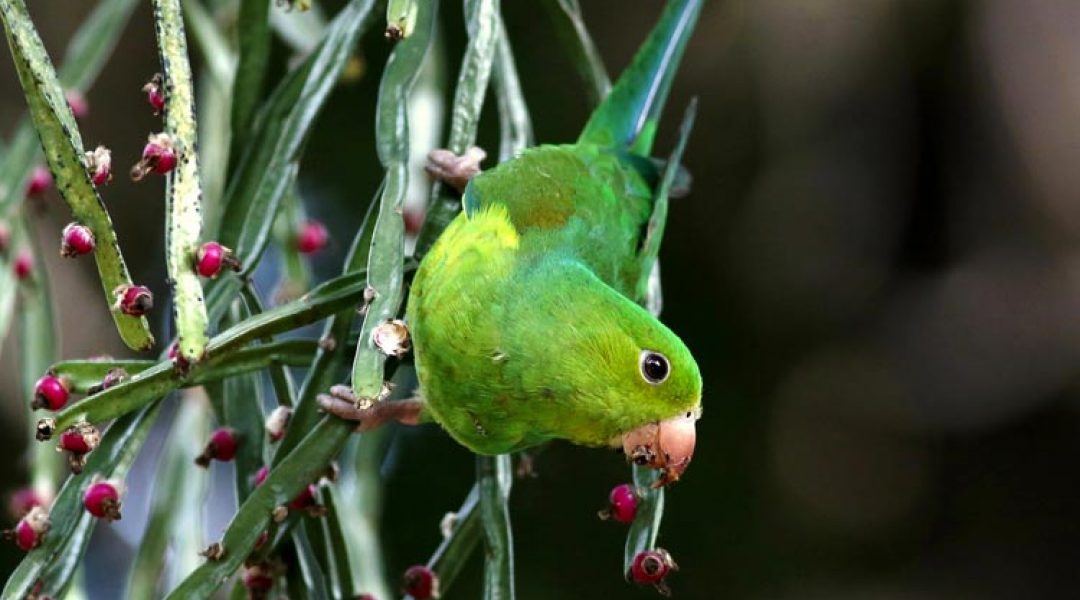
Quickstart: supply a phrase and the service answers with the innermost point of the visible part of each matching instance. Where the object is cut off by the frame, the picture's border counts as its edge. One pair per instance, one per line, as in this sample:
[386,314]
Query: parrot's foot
[453,169]
[341,402]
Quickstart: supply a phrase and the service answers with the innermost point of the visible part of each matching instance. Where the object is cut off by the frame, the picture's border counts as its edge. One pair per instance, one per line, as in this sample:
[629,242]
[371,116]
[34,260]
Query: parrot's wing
[627,118]
[654,228]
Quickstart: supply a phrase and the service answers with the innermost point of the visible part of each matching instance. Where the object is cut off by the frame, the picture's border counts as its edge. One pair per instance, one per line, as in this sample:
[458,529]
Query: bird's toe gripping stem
[342,402]
[455,169]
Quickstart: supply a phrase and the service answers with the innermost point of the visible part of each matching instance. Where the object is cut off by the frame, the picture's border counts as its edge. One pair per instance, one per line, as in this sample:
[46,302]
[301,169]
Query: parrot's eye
[654,367]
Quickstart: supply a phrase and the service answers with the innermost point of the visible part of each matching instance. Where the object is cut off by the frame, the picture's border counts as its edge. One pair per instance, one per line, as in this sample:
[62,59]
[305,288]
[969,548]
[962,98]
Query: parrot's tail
[628,117]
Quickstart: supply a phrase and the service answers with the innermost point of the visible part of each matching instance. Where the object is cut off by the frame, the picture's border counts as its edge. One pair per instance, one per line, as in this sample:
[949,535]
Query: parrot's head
[628,381]
[668,376]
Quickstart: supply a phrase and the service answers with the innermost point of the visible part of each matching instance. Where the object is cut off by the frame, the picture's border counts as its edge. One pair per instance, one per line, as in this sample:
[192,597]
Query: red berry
[112,378]
[30,530]
[622,504]
[24,265]
[99,165]
[50,392]
[212,257]
[134,300]
[40,181]
[651,567]
[76,240]
[102,499]
[155,94]
[365,597]
[421,582]
[23,500]
[222,446]
[159,156]
[312,237]
[80,108]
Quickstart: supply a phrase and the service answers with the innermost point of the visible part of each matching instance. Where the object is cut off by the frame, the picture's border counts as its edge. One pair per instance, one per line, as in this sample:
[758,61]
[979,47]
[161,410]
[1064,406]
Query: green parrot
[525,315]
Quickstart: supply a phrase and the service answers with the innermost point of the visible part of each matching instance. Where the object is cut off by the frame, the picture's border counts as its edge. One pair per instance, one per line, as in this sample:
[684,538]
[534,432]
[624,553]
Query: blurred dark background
[878,270]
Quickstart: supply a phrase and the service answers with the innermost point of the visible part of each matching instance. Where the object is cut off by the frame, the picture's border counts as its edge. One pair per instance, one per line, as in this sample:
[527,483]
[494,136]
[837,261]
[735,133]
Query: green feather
[629,116]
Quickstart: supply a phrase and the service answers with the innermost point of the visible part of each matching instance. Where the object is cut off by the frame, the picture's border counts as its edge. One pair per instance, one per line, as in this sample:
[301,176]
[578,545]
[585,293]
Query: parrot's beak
[666,445]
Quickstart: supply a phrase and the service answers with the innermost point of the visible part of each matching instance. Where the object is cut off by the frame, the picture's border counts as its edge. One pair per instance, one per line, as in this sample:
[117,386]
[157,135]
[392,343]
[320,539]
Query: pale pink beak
[667,445]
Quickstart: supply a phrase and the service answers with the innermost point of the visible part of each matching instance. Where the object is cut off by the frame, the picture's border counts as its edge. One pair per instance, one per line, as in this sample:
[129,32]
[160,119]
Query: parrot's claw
[341,402]
[453,169]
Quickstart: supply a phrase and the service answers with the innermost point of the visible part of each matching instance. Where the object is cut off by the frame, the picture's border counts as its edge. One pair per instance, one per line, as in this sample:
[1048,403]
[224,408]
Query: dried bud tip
[312,237]
[102,499]
[391,337]
[214,551]
[133,300]
[420,582]
[221,446]
[159,156]
[50,392]
[41,179]
[99,165]
[76,240]
[212,257]
[45,429]
[155,93]
[5,237]
[277,422]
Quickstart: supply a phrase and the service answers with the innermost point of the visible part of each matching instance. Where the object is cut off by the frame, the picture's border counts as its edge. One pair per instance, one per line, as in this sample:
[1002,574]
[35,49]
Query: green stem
[482,22]
[494,477]
[570,27]
[183,194]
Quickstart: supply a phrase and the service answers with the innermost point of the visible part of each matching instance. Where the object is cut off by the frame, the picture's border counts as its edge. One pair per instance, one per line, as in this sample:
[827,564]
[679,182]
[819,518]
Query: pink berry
[24,265]
[414,219]
[277,422]
[76,240]
[80,108]
[222,446]
[80,439]
[112,378]
[40,181]
[261,474]
[304,499]
[99,165]
[622,504]
[102,499]
[212,257]
[312,237]
[651,567]
[23,500]
[50,392]
[155,93]
[30,530]
[134,300]
[258,579]
[420,582]
[159,156]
